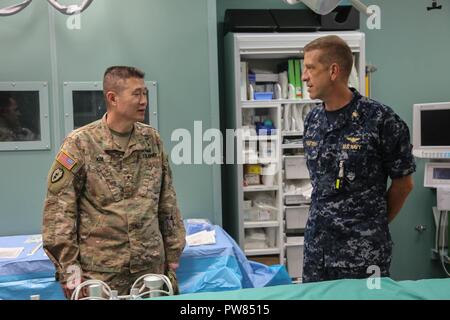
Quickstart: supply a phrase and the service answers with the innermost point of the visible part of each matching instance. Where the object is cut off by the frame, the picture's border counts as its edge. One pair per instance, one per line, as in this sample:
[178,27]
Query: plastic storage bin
[271,234]
[294,199]
[251,179]
[267,213]
[268,174]
[295,167]
[256,239]
[263,95]
[294,256]
[260,213]
[267,149]
[251,214]
[296,217]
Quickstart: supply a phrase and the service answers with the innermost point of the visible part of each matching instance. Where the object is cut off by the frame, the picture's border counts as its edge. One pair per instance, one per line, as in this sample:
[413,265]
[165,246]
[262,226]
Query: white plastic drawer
[296,217]
[295,167]
[294,256]
[294,199]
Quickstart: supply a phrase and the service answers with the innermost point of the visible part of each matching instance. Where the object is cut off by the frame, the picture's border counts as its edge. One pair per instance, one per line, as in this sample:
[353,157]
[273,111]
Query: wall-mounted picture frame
[84,103]
[24,116]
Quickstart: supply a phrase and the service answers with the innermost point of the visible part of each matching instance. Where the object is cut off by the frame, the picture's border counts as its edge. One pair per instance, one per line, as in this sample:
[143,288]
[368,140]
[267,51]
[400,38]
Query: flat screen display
[435,127]
[441,173]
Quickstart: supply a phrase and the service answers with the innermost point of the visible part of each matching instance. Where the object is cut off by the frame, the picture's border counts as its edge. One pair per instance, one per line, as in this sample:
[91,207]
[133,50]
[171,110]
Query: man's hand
[397,193]
[69,288]
[173,266]
[170,272]
[67,291]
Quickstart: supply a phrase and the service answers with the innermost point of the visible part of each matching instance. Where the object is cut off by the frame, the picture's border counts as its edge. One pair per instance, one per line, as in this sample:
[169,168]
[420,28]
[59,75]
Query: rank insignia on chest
[311,143]
[353,139]
[355,115]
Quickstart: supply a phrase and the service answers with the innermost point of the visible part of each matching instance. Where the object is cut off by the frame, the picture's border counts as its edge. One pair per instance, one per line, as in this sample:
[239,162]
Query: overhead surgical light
[71,9]
[10,10]
[67,10]
[324,7]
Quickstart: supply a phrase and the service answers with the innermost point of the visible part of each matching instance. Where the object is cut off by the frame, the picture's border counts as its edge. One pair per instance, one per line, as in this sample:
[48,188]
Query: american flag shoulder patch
[65,160]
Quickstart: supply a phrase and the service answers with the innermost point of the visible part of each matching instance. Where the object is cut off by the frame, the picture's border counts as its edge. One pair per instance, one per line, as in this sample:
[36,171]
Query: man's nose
[143,101]
[305,76]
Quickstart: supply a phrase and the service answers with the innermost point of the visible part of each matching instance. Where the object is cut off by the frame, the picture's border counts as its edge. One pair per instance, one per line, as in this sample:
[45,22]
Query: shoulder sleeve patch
[65,160]
[57,175]
[59,178]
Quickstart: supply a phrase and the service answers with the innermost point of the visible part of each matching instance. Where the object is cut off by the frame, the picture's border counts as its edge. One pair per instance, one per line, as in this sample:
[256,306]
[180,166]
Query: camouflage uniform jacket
[108,209]
[347,225]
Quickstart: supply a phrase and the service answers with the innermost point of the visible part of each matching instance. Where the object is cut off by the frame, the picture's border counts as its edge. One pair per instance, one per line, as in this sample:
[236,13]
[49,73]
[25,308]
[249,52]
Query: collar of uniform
[352,113]
[108,142]
[136,142]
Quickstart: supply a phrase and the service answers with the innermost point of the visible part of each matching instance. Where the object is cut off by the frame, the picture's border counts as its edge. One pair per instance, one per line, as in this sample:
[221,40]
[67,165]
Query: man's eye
[138,94]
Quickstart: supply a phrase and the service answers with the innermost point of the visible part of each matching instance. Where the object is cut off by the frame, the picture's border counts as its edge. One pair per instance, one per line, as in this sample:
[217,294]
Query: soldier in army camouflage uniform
[111,207]
[352,145]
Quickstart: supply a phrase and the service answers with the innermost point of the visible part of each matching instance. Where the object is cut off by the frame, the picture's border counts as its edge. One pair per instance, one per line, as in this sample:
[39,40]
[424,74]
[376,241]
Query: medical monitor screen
[441,173]
[435,127]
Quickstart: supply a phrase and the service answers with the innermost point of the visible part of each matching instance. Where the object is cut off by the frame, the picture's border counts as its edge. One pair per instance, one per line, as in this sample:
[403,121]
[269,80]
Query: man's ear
[111,98]
[334,71]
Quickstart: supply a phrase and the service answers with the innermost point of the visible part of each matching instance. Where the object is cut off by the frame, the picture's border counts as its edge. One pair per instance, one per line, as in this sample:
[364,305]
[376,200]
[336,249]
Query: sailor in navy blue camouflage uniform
[352,145]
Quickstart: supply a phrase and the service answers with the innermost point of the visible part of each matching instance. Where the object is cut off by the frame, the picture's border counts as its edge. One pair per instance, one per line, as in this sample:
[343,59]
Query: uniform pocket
[87,226]
[359,163]
[311,156]
[150,177]
[356,173]
[353,168]
[102,185]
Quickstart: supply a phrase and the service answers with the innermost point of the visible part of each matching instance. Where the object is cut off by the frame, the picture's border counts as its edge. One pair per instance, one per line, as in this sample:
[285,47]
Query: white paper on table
[202,237]
[34,239]
[10,253]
